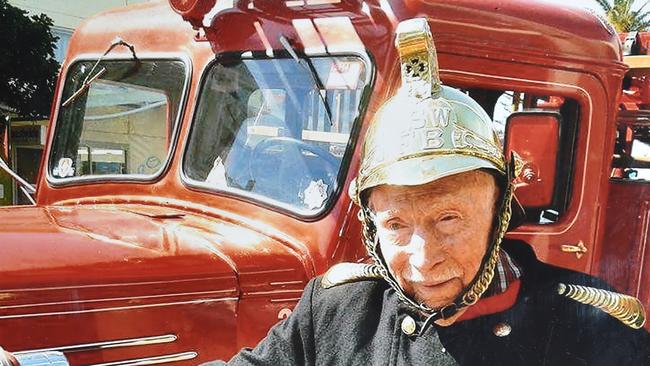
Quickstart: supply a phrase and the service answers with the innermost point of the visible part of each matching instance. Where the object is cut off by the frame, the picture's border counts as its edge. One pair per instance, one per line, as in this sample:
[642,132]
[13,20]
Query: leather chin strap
[470,294]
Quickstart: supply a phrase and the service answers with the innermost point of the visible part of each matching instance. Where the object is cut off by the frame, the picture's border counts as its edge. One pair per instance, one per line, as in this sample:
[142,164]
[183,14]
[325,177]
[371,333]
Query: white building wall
[68,14]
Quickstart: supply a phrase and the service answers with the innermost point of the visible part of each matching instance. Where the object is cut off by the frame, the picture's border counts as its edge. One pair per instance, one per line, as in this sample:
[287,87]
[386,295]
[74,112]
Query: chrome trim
[130,342]
[272,292]
[90,301]
[282,283]
[118,308]
[112,284]
[151,360]
[293,299]
[151,56]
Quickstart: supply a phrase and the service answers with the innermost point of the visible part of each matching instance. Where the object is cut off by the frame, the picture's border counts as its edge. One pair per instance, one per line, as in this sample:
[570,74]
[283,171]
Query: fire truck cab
[199,154]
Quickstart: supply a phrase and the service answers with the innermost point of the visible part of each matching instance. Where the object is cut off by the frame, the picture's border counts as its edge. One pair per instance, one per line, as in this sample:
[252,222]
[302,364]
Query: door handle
[579,249]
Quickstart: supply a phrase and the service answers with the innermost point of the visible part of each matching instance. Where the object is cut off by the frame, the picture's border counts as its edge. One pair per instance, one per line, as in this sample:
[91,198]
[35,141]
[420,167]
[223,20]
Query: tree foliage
[623,18]
[27,66]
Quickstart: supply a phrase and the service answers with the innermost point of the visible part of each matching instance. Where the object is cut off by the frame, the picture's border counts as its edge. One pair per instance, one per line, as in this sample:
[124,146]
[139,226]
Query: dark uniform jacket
[360,324]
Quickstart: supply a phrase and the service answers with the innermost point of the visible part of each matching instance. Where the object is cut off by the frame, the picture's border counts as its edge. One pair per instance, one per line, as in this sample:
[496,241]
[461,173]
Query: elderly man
[435,193]
[435,204]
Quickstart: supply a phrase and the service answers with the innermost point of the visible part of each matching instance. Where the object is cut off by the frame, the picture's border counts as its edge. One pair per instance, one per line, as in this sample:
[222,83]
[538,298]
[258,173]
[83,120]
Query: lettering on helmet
[433,138]
[427,129]
[463,138]
[441,115]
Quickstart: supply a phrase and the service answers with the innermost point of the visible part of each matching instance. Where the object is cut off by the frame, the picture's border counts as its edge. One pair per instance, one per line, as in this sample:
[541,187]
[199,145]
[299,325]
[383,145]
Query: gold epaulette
[627,309]
[350,272]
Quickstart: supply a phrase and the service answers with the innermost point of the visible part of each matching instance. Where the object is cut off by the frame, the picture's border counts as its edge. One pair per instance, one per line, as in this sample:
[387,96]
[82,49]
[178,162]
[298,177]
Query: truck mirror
[534,136]
[4,137]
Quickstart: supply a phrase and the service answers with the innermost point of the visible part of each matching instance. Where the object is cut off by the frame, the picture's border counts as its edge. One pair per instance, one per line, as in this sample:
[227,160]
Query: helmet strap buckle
[445,312]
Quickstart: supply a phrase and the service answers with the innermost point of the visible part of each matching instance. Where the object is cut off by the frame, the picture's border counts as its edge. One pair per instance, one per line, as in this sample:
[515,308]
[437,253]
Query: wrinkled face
[434,236]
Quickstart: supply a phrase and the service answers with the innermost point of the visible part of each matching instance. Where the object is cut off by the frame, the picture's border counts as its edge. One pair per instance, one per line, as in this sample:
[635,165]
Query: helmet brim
[427,169]
[423,170]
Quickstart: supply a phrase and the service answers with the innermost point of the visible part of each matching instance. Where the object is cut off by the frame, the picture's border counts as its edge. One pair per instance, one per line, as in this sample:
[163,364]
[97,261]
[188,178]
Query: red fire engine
[200,151]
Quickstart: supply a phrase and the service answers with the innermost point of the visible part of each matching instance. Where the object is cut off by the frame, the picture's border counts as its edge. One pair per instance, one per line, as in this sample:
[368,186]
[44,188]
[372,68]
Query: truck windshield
[262,129]
[123,124]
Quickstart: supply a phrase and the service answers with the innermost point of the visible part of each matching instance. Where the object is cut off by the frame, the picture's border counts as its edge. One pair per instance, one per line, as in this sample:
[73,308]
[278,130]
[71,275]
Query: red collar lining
[493,304]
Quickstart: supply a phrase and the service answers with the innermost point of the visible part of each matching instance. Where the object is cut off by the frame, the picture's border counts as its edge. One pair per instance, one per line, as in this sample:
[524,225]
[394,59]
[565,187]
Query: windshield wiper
[91,79]
[83,88]
[309,66]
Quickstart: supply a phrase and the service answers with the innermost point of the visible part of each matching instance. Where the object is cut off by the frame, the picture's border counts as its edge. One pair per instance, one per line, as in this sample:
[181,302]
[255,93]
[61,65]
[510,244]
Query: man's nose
[426,250]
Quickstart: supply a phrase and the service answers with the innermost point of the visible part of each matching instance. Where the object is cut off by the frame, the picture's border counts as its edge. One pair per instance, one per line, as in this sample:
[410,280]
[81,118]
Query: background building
[28,136]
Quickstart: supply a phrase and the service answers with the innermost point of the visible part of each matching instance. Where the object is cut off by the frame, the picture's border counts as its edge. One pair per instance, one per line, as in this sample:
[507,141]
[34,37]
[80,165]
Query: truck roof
[535,28]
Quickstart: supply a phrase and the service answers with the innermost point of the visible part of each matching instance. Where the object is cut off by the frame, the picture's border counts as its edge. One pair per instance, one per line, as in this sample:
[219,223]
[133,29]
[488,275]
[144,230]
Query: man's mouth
[435,283]
[439,292]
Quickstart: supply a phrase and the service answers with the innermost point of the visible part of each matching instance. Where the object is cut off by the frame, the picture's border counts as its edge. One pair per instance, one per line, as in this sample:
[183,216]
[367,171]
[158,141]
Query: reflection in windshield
[122,123]
[262,129]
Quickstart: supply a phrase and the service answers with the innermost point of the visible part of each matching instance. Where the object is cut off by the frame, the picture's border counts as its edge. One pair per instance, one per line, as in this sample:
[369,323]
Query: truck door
[627,232]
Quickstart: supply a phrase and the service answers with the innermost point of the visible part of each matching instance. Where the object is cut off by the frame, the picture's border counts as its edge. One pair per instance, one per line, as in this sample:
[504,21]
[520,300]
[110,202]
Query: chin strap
[444,313]
[484,276]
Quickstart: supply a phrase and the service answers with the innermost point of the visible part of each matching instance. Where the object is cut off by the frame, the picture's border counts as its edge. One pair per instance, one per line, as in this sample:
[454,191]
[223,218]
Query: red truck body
[163,267]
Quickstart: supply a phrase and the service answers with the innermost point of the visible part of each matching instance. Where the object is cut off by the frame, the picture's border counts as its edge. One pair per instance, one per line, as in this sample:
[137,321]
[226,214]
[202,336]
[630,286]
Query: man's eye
[448,218]
[394,226]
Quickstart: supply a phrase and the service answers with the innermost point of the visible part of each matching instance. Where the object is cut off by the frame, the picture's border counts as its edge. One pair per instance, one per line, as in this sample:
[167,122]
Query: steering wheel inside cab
[293,171]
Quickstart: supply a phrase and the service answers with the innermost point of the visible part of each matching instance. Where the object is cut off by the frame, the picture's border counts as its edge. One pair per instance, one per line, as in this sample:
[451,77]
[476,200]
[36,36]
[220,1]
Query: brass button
[408,325]
[502,329]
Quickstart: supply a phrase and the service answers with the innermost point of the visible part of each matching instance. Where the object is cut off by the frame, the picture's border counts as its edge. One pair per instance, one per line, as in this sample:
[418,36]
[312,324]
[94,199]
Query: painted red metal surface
[626,259]
[104,260]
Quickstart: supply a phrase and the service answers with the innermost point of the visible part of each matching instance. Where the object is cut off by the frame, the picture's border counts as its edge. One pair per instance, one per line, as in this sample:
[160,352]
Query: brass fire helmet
[428,131]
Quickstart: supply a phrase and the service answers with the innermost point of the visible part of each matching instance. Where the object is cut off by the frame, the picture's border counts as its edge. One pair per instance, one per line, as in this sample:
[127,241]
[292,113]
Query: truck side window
[122,124]
[264,129]
[631,160]
[501,104]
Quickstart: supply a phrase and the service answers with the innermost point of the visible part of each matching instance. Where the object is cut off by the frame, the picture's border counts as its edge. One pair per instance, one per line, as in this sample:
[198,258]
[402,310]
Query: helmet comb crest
[419,62]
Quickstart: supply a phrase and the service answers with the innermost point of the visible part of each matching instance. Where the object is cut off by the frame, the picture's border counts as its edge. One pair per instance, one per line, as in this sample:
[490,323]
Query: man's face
[434,236]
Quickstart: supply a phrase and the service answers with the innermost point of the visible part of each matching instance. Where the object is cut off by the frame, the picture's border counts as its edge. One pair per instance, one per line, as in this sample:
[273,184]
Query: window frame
[122,178]
[261,200]
[569,132]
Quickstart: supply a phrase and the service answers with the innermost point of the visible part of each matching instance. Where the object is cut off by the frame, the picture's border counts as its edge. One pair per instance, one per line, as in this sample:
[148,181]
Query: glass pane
[122,123]
[263,128]
[632,150]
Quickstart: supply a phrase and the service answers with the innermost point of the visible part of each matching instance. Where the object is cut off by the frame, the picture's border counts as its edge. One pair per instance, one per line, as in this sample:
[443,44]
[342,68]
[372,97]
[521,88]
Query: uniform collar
[493,304]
